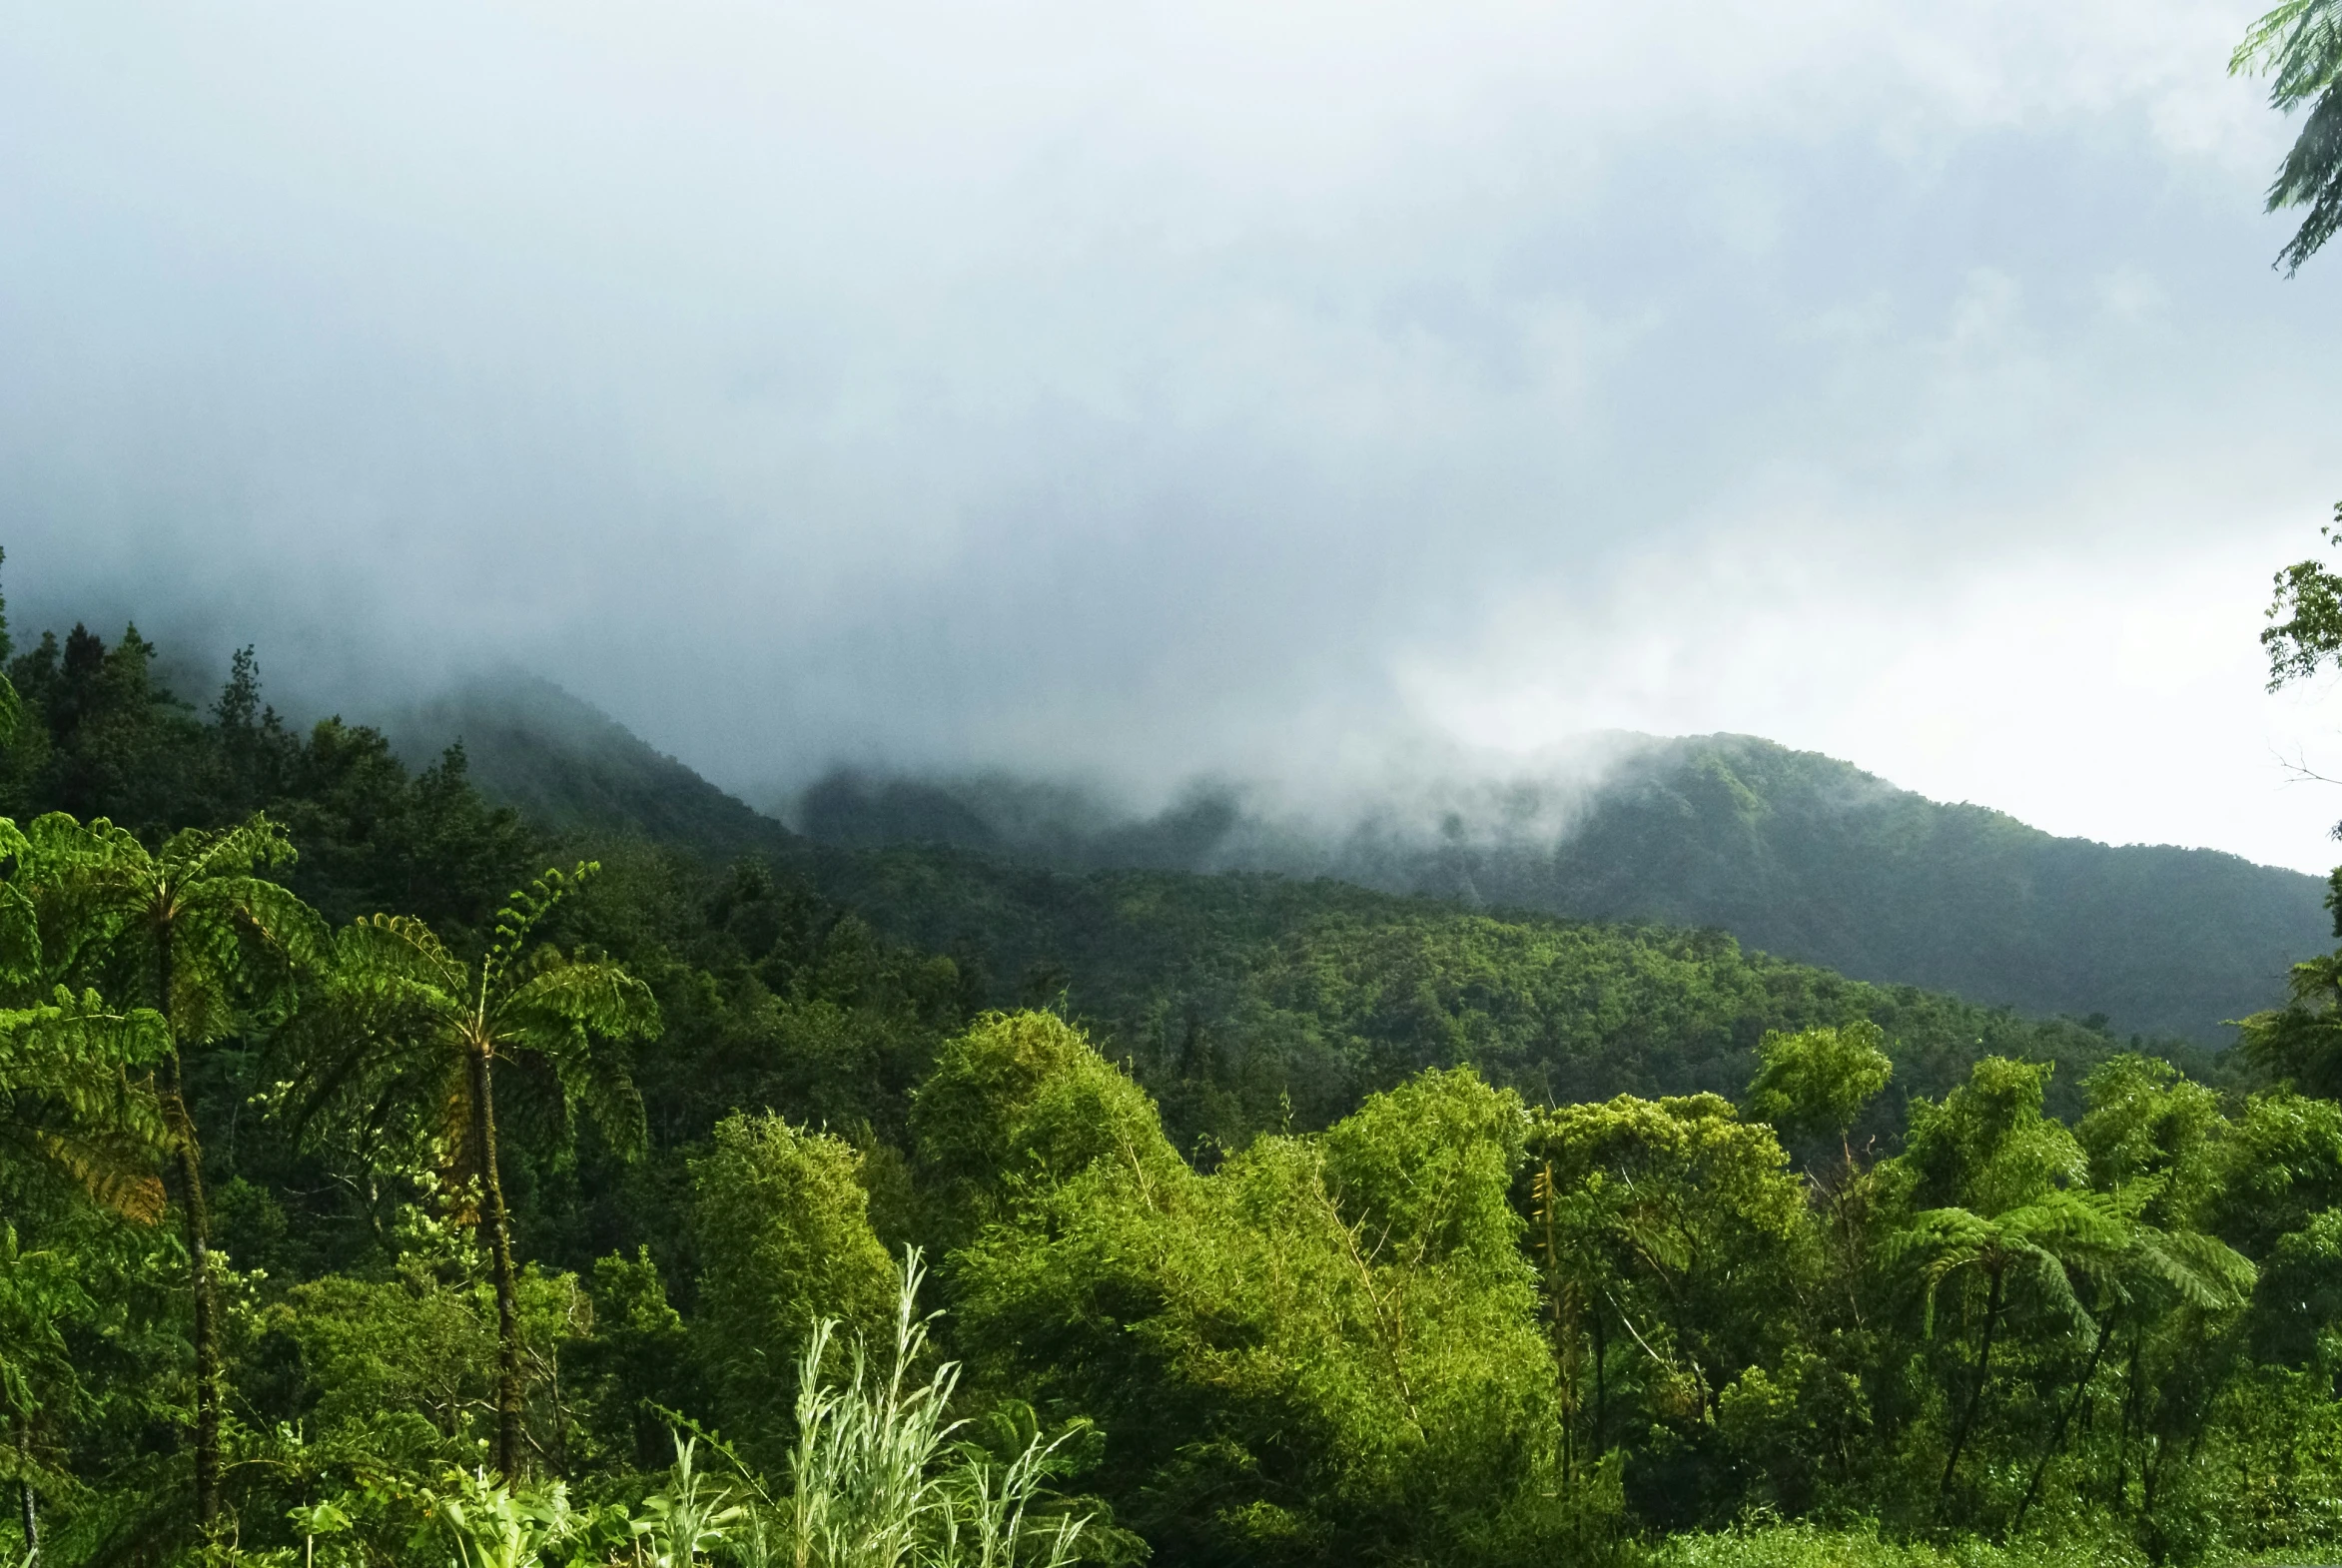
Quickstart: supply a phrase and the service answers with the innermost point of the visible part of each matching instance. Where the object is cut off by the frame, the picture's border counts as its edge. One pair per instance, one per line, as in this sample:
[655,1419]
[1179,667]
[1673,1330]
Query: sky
[1134,393]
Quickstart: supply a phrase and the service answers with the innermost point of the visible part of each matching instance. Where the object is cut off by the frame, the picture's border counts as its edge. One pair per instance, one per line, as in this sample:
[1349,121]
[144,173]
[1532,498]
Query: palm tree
[2059,1234]
[197,932]
[412,1026]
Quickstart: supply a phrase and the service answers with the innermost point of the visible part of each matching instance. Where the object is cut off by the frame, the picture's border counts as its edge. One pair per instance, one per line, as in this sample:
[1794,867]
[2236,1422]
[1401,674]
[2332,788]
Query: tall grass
[877,1482]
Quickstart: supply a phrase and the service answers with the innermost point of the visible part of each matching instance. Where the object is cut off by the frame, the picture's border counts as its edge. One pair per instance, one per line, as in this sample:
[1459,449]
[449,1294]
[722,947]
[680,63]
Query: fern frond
[528,907]
[404,945]
[20,936]
[2300,47]
[593,996]
[116,1173]
[2201,1270]
[65,1089]
[2085,1226]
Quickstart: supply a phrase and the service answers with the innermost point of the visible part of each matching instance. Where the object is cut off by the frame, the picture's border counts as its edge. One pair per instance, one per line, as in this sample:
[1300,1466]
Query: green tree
[2155,1144]
[2301,1042]
[112,740]
[784,1231]
[2300,47]
[1998,1197]
[414,1028]
[198,932]
[1325,1350]
[1676,1241]
[1018,1104]
[1815,1082]
[2304,635]
[2306,615]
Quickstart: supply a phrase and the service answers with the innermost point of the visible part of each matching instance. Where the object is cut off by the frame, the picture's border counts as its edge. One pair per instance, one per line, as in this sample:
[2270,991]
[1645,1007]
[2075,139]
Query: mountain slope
[1808,857]
[570,767]
[1795,853]
[1246,998]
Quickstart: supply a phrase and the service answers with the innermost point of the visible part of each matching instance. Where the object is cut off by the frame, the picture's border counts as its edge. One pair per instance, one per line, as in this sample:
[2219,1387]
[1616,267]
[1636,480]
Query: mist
[1297,397]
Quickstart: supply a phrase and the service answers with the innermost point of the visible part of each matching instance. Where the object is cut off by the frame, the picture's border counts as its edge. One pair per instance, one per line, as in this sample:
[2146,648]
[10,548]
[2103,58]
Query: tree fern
[197,932]
[412,1029]
[75,1101]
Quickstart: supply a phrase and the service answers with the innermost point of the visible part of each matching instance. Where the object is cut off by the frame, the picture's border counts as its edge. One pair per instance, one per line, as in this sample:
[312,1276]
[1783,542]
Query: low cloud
[1169,392]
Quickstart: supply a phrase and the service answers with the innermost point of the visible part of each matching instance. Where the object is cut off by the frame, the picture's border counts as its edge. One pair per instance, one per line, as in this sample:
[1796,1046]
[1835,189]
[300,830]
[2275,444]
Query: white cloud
[1158,386]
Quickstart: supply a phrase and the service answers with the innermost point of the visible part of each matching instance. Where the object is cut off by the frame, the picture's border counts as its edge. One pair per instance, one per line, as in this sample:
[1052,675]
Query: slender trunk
[495,1238]
[1849,1231]
[2150,1475]
[2129,1414]
[197,1218]
[1562,1314]
[2056,1446]
[1601,1387]
[559,1457]
[195,1215]
[25,1498]
[1975,1396]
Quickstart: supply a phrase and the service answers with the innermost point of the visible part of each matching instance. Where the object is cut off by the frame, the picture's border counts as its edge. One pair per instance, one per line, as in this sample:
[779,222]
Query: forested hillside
[1235,994]
[1794,853]
[374,1193]
[451,1132]
[571,768]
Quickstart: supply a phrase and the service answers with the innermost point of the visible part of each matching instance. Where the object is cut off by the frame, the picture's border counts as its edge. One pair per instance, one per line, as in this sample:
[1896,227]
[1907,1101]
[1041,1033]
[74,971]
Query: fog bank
[1192,391]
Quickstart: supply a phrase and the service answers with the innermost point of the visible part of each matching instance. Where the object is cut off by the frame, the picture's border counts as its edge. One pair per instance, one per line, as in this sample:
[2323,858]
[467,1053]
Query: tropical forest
[439,1128]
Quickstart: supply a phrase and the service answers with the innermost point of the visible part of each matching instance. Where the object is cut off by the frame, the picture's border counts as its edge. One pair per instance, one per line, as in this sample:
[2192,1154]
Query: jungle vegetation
[391,1177]
[1799,854]
[394,1172]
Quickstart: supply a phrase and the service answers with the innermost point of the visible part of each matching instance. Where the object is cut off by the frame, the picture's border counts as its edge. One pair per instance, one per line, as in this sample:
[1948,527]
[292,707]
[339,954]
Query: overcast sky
[1142,390]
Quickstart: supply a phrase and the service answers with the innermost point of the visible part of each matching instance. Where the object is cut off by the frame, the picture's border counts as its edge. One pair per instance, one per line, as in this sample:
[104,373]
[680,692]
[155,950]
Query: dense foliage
[372,1194]
[1792,852]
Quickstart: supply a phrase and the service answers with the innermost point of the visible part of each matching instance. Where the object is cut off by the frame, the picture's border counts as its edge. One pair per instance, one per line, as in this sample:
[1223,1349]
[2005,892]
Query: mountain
[1242,999]
[1795,853]
[569,767]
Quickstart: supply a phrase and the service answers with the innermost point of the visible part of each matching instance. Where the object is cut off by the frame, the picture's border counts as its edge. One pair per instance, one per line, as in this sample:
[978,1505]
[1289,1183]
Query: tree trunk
[25,1498]
[1975,1396]
[2081,1390]
[495,1238]
[2130,1412]
[195,1214]
[197,1217]
[1601,1387]
[1562,1321]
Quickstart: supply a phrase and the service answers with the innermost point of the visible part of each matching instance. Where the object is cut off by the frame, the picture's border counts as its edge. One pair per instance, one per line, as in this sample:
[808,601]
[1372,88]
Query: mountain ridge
[1794,853]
